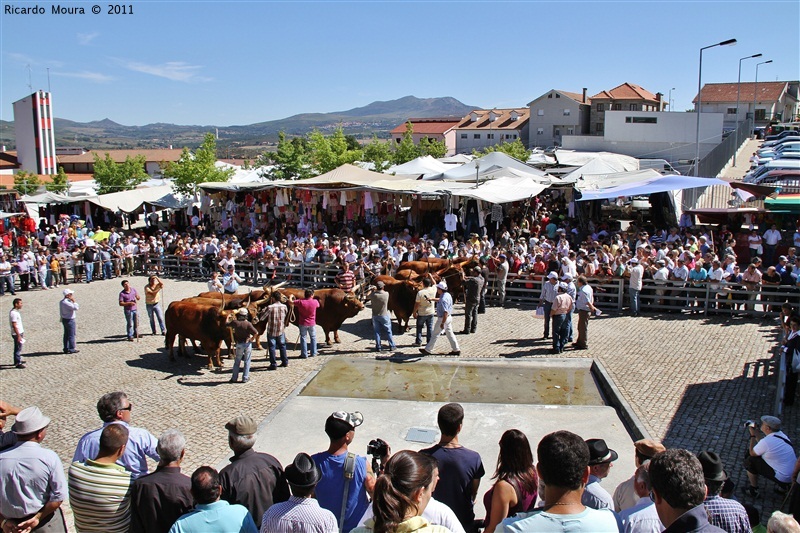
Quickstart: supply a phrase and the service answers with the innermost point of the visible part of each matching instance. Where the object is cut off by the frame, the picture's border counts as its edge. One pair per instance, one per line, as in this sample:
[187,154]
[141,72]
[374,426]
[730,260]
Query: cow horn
[279,285]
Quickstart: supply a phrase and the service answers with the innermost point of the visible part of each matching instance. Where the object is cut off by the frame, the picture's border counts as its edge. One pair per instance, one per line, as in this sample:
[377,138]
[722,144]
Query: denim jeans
[17,349]
[69,333]
[107,270]
[559,332]
[427,323]
[280,341]
[634,300]
[383,326]
[312,334]
[569,326]
[547,307]
[89,268]
[243,351]
[470,317]
[154,311]
[6,283]
[130,323]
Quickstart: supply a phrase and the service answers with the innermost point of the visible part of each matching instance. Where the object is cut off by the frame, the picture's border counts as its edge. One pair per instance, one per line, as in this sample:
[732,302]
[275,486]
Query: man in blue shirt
[210,514]
[444,321]
[115,408]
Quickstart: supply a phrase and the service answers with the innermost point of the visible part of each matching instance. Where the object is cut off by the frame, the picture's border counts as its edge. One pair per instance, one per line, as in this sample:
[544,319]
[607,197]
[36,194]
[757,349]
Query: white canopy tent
[425,166]
[597,166]
[457,159]
[487,165]
[578,159]
[638,183]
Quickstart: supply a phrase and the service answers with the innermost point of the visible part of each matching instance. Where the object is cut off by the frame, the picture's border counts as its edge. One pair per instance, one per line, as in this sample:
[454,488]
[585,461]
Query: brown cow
[207,324]
[256,302]
[424,267]
[335,306]
[402,297]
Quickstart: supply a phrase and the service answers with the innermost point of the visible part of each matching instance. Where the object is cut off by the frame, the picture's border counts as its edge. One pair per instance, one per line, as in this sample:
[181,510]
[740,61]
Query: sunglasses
[130,406]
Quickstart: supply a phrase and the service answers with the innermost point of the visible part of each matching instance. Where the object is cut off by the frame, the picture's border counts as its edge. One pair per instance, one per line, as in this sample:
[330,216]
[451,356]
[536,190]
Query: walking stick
[788,495]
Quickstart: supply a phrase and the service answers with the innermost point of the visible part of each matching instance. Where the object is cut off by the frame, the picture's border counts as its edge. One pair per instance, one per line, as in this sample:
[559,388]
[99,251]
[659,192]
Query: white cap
[442,285]
[67,292]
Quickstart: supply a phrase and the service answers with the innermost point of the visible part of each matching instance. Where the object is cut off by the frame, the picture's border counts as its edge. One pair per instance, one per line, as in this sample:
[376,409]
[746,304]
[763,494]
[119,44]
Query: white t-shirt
[15,316]
[637,273]
[778,454]
[450,222]
[436,512]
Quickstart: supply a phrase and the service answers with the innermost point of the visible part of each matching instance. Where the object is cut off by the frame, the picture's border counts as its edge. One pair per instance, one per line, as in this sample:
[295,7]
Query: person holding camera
[771,456]
[346,477]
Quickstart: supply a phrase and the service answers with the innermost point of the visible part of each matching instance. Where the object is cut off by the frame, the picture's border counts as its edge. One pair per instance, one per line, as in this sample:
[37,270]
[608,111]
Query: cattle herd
[206,318]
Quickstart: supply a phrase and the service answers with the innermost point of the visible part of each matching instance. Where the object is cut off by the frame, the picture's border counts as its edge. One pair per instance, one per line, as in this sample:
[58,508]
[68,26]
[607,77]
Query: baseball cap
[67,292]
[339,423]
[552,275]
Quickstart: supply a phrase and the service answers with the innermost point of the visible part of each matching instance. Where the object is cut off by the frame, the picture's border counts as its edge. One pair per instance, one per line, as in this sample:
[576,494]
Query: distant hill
[377,118]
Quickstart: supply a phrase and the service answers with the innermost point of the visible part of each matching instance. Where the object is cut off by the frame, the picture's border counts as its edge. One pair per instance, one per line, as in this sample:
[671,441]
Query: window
[397,139]
[463,136]
[731,111]
[641,120]
[514,136]
[761,114]
[633,107]
[490,135]
[557,132]
[570,131]
[600,107]
[558,95]
[550,95]
[540,131]
[566,112]
[617,107]
[598,127]
[476,136]
[540,112]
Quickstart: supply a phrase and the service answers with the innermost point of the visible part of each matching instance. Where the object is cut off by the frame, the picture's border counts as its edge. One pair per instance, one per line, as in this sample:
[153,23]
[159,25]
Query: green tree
[406,150]
[328,153]
[352,142]
[59,183]
[432,147]
[379,154]
[192,169]
[514,149]
[111,176]
[26,182]
[289,162]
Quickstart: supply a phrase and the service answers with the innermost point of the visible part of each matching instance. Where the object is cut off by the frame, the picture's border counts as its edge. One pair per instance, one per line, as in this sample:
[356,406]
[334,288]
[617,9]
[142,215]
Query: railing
[711,165]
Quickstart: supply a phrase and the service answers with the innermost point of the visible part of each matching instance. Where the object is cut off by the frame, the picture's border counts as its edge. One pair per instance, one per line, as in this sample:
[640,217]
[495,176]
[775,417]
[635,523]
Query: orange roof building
[487,127]
[625,97]
[83,163]
[774,101]
[435,129]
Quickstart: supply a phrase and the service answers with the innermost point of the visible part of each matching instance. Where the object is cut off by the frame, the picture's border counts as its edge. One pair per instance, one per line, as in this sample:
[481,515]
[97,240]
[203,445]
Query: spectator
[584,304]
[424,310]
[127,300]
[517,483]
[100,489]
[625,496]
[253,479]
[301,513]
[215,284]
[755,519]
[231,280]
[563,467]
[67,310]
[444,321]
[381,319]
[347,500]
[460,469]
[212,515]
[561,308]
[32,482]
[678,492]
[152,302]
[306,321]
[115,408]
[277,318]
[771,456]
[782,523]
[472,297]
[402,494]
[548,296]
[7,438]
[724,513]
[601,458]
[17,331]
[770,241]
[635,284]
[642,517]
[160,498]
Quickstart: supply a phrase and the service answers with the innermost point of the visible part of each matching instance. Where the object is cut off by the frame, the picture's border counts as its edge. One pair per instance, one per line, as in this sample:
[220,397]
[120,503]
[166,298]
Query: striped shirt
[100,497]
[346,280]
[298,515]
[276,315]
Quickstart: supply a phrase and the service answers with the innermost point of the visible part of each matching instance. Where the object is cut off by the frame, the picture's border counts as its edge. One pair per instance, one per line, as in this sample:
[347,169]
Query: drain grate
[423,436]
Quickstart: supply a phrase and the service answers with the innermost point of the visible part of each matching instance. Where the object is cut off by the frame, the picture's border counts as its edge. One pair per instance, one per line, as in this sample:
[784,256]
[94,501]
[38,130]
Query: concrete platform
[298,423]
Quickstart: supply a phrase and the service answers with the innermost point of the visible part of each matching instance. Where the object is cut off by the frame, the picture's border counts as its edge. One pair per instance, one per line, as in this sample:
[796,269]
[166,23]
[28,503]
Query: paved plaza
[692,381]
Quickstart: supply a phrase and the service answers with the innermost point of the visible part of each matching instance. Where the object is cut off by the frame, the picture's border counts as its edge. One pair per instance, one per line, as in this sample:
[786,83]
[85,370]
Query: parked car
[775,164]
[778,142]
[780,135]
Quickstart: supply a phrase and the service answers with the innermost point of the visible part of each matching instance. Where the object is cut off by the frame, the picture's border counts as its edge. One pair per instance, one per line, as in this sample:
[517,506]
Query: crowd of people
[110,489]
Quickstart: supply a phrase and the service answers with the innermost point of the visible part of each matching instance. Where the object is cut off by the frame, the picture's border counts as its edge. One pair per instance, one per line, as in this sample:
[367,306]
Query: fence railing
[718,157]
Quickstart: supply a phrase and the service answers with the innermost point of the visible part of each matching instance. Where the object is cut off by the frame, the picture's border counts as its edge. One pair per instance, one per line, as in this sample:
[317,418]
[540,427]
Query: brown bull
[454,277]
[207,324]
[256,302]
[425,266]
[335,306]
[402,297]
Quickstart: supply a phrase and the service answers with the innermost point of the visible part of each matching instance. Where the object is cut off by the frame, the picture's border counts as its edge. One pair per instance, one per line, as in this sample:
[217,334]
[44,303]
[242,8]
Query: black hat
[303,472]
[712,466]
[600,453]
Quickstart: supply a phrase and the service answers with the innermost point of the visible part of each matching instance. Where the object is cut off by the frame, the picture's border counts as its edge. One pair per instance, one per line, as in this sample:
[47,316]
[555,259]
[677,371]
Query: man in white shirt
[601,458]
[771,239]
[635,281]
[771,456]
[17,331]
[642,517]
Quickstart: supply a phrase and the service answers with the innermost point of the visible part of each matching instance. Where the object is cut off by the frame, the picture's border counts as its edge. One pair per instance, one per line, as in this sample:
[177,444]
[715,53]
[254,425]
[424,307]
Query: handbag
[539,312]
[796,361]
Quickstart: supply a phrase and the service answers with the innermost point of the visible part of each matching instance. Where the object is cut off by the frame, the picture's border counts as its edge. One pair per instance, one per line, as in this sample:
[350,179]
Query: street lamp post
[477,171]
[738,92]
[669,99]
[755,93]
[700,101]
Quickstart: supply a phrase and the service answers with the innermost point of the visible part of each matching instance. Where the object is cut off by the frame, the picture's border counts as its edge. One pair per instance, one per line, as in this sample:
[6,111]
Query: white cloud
[96,77]
[171,70]
[86,38]
[24,59]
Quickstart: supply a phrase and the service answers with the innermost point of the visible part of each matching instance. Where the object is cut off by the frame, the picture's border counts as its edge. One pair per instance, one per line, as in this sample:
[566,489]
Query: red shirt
[306,311]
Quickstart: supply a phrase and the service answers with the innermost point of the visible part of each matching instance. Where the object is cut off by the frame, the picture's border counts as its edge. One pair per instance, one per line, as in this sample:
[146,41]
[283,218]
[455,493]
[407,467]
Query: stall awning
[784,202]
[638,183]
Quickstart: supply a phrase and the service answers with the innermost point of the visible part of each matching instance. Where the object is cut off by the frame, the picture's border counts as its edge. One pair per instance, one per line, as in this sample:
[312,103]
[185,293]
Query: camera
[749,424]
[378,449]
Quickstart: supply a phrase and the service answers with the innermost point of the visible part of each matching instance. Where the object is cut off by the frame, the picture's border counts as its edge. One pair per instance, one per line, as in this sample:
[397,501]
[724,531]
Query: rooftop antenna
[30,85]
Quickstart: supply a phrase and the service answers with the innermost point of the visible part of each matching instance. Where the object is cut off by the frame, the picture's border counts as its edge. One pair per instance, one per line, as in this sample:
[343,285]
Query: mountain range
[377,118]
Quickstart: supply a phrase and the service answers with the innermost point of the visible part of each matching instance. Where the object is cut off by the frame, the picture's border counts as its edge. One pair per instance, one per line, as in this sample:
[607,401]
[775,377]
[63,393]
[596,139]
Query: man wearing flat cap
[549,293]
[32,481]
[726,514]
[625,495]
[345,498]
[771,456]
[600,459]
[253,479]
[301,513]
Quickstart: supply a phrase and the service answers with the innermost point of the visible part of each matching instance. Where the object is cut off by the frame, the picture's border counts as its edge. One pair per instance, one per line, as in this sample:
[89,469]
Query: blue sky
[227,63]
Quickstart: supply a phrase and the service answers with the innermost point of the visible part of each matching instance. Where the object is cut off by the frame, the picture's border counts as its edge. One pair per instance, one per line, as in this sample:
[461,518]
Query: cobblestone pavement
[692,381]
